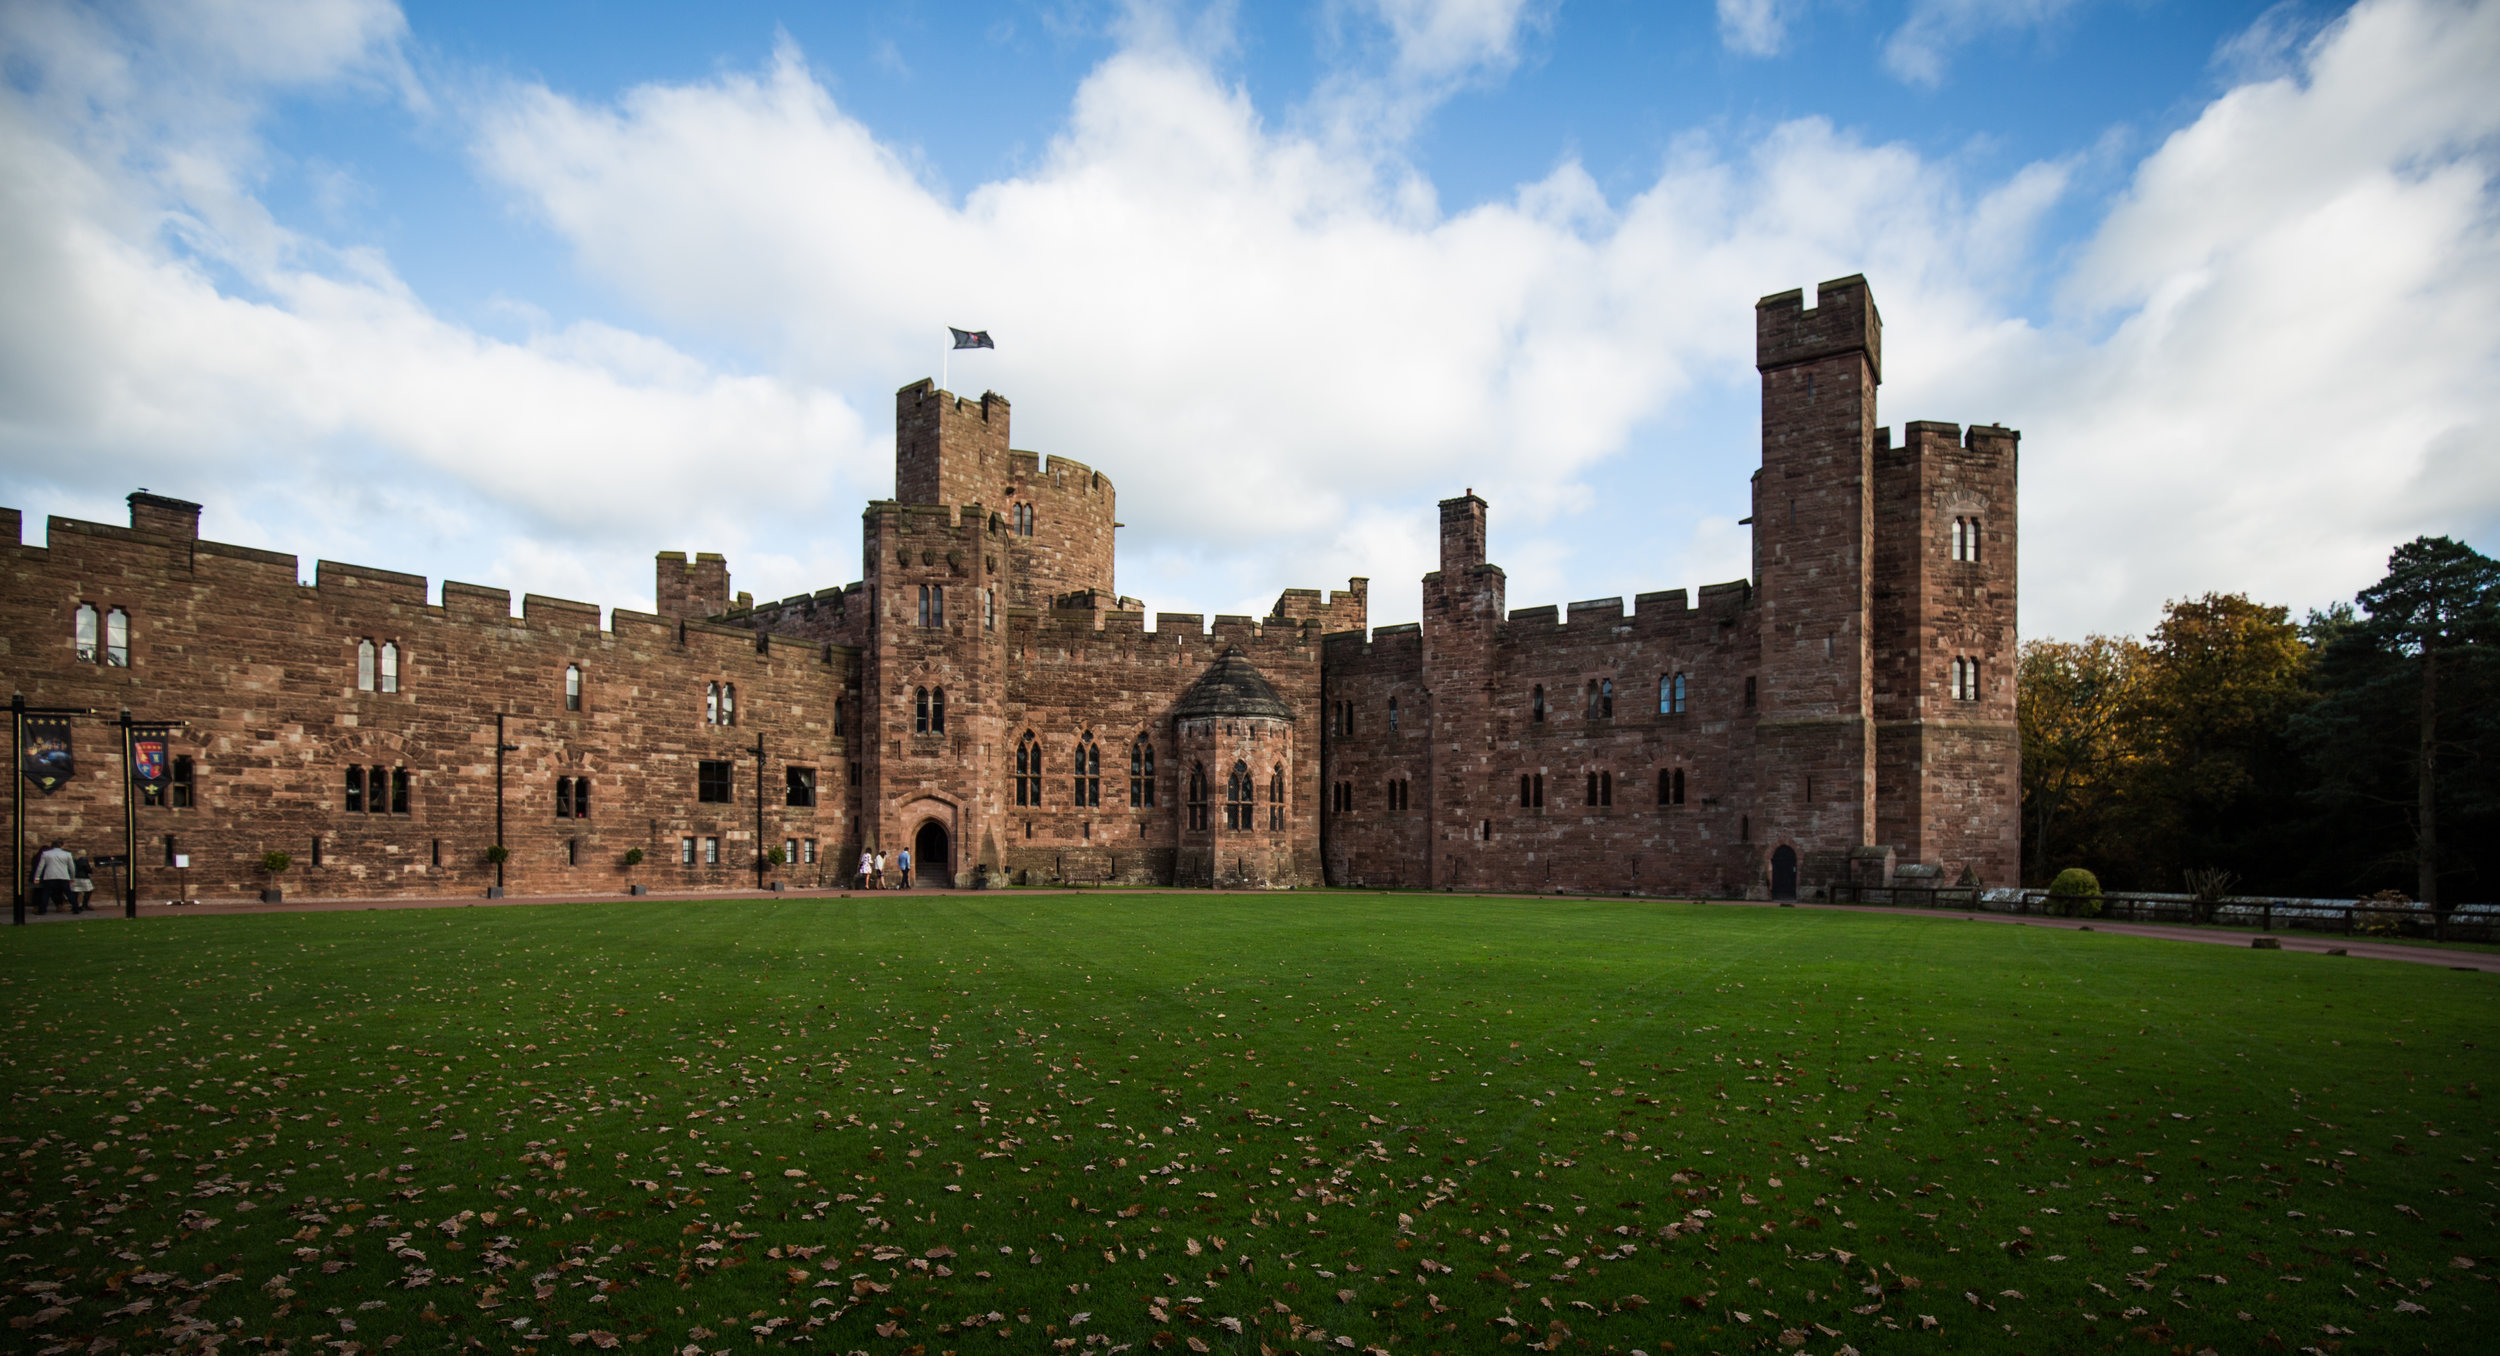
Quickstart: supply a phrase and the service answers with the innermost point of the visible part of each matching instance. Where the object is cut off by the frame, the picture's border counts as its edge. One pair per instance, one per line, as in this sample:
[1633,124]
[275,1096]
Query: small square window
[712,782]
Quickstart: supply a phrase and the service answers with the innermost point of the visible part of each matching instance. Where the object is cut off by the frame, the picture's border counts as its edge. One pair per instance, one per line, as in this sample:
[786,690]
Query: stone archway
[1784,872]
[932,855]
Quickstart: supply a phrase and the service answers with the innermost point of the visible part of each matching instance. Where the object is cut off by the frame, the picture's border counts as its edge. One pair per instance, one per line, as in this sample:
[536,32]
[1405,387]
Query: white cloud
[1755,27]
[1919,49]
[2272,360]
[157,325]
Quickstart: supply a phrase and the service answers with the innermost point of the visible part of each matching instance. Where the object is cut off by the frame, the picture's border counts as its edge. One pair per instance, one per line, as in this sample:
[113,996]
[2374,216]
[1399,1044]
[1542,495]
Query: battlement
[691,588]
[330,576]
[1347,610]
[1842,320]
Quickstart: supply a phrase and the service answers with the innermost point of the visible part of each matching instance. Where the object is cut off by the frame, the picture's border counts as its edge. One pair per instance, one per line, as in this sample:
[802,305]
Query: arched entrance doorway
[1784,872]
[931,862]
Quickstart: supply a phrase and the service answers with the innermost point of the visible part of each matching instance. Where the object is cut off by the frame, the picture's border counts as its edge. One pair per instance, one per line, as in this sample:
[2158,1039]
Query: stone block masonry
[984,697]
[1855,692]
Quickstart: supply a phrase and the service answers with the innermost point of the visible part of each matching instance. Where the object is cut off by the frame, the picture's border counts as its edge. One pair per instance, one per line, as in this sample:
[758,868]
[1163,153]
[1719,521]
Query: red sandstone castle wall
[262,672]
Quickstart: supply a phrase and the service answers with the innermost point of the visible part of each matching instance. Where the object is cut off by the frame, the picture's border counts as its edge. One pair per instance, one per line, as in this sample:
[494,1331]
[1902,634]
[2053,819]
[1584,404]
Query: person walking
[902,862]
[55,868]
[880,871]
[867,869]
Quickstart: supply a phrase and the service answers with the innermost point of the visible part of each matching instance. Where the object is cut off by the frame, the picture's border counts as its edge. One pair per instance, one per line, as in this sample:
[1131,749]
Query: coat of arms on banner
[149,763]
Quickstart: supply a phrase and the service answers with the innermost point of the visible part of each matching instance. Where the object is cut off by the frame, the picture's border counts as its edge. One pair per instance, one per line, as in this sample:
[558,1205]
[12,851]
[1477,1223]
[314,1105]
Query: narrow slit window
[920,710]
[399,791]
[1276,799]
[185,789]
[84,632]
[355,801]
[1393,713]
[365,665]
[117,639]
[572,687]
[1198,797]
[378,791]
[1536,705]
[390,666]
[937,710]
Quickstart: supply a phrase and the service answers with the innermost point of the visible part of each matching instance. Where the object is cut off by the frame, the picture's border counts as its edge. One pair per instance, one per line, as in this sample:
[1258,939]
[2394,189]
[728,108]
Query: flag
[151,766]
[971,338]
[45,758]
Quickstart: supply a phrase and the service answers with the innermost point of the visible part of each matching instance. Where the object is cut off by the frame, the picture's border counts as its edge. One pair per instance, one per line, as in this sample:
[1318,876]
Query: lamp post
[502,747]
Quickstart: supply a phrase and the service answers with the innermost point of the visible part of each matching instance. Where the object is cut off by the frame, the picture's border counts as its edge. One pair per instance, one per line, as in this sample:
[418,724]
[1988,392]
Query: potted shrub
[774,857]
[633,858]
[275,863]
[497,856]
[2076,893]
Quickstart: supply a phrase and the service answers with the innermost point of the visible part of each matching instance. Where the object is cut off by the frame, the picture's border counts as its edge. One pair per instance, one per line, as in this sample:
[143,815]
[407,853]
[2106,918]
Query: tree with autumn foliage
[2073,703]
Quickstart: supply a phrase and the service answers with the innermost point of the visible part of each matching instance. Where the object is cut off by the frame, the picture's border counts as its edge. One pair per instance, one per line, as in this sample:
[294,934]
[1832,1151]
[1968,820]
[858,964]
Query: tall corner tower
[1813,530]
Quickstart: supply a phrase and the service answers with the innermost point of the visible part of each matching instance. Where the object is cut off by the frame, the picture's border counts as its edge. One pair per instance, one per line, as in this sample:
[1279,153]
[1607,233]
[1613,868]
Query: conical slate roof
[1232,686]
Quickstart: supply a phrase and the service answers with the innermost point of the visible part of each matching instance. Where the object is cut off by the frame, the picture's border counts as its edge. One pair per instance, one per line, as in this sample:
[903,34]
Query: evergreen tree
[2408,728]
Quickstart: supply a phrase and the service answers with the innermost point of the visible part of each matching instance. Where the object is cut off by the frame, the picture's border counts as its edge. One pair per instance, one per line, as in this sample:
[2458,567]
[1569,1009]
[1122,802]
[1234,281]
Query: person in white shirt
[880,872]
[55,869]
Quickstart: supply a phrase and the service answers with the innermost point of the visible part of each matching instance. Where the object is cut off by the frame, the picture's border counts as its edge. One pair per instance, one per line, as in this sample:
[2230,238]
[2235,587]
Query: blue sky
[520,294]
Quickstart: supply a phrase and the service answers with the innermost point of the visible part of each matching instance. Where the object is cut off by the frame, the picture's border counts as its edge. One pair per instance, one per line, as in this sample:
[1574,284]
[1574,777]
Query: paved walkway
[2454,958]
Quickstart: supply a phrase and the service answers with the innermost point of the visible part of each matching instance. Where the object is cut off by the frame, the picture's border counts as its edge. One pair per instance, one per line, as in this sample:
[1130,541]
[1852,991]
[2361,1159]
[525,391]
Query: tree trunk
[2427,831]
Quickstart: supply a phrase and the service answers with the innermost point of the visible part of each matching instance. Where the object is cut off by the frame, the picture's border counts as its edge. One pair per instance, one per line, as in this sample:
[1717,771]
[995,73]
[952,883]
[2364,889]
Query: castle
[984,696]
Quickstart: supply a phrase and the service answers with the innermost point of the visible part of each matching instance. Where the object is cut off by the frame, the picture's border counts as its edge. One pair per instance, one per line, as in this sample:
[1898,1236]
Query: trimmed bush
[2076,893]
[275,862]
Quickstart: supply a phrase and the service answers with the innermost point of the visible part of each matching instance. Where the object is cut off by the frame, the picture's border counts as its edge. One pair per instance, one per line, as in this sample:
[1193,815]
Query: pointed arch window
[729,703]
[365,664]
[1276,799]
[572,687]
[1671,694]
[85,632]
[116,639]
[1198,797]
[1966,539]
[1671,786]
[937,710]
[920,710]
[1028,770]
[1088,778]
[1141,773]
[1024,520]
[1238,811]
[711,703]
[1965,679]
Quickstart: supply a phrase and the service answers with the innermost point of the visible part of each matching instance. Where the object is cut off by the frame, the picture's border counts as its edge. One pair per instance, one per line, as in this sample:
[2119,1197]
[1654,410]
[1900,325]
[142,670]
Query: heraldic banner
[45,756]
[151,759]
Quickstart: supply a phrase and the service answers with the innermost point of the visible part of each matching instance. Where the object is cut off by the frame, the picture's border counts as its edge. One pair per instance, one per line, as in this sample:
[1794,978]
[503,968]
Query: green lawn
[1311,1122]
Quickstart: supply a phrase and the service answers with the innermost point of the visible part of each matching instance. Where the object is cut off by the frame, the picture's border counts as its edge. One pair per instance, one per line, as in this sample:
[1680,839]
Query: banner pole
[130,822]
[17,810]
